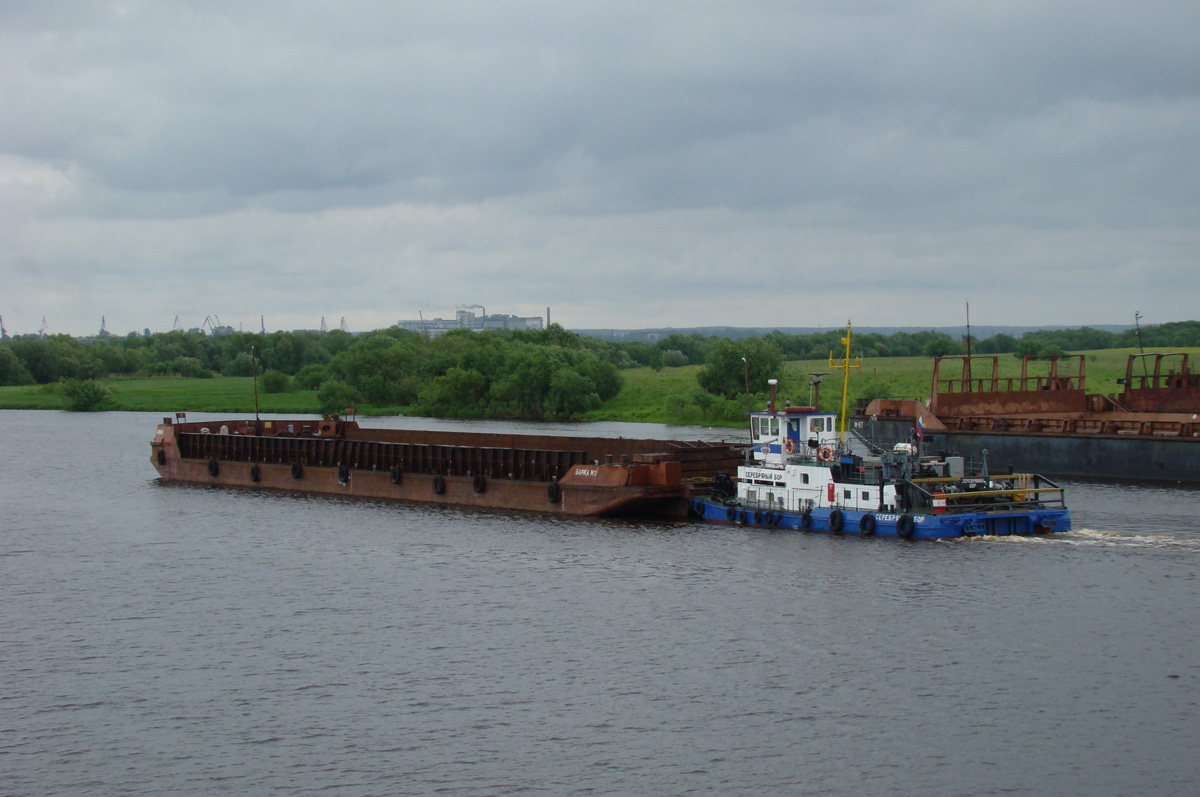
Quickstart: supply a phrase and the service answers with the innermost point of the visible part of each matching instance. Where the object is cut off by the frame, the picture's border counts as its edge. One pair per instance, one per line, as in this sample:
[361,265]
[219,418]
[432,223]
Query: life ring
[479,483]
[162,457]
[343,474]
[790,446]
[806,520]
[825,454]
[552,492]
[255,473]
[297,470]
[866,525]
[395,474]
[836,520]
[213,468]
[905,526]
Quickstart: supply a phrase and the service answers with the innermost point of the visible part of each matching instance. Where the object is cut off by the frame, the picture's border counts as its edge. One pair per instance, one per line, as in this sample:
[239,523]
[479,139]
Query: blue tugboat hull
[1024,522]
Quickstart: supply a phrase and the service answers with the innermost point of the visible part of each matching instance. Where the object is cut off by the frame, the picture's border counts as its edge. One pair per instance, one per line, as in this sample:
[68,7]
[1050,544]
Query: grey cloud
[898,135]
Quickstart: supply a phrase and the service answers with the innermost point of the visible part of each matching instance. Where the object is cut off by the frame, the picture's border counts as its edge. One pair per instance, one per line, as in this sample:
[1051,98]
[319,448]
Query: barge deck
[545,473]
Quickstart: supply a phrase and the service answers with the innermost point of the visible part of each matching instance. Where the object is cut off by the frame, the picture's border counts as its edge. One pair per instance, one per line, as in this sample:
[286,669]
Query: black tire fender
[297,470]
[255,473]
[866,525]
[213,468]
[439,485]
[479,483]
[395,474]
[906,526]
[836,521]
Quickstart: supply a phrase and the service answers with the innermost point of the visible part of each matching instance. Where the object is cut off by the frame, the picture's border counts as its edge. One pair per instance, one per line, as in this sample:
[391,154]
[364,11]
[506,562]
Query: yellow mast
[845,365]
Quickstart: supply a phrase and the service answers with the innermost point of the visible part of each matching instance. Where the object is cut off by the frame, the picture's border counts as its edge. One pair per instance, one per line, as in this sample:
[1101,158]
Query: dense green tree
[571,394]
[336,396]
[941,345]
[85,395]
[674,358]
[241,365]
[310,377]
[275,382]
[459,393]
[694,347]
[12,368]
[734,363]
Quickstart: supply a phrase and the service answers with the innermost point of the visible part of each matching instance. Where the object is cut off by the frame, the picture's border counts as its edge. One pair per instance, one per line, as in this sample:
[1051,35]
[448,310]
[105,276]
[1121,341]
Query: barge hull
[1154,459]
[556,474]
[1147,457]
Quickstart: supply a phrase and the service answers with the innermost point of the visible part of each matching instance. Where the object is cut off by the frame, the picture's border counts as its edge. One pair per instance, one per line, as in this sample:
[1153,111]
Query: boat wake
[1093,538]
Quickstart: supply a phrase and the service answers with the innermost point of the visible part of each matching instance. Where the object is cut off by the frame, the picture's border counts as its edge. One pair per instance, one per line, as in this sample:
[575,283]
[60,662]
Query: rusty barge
[1046,417]
[543,473]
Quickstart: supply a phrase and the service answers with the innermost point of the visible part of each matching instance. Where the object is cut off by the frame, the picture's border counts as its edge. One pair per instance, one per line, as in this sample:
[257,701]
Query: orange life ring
[790,446]
[825,454]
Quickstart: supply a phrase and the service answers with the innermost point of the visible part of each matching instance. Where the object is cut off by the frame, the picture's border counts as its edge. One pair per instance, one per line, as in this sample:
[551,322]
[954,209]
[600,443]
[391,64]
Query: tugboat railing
[1026,490]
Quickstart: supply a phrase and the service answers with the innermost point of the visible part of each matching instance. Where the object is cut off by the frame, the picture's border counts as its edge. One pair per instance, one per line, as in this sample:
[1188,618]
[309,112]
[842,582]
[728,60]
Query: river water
[193,640]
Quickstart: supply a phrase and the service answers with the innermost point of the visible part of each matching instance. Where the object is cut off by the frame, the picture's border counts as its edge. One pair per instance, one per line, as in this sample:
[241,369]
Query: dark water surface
[162,639]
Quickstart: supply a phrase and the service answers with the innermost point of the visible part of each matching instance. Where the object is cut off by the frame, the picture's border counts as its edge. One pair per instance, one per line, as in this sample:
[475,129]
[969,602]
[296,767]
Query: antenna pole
[254,371]
[1137,318]
[968,347]
[749,418]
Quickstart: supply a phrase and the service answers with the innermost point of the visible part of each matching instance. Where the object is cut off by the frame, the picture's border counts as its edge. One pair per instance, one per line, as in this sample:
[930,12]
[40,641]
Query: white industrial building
[467,319]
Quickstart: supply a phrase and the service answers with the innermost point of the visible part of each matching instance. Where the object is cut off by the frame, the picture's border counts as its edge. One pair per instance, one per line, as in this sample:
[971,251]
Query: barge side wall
[1087,456]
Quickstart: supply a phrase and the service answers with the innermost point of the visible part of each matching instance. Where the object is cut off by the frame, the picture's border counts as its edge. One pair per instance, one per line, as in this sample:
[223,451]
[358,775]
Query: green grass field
[648,396]
[171,394]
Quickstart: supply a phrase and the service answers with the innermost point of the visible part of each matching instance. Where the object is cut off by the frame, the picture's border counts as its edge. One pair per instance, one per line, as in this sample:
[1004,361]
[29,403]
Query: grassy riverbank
[649,396]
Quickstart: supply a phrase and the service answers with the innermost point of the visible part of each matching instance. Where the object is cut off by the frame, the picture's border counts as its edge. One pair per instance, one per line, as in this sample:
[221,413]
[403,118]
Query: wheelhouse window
[766,427]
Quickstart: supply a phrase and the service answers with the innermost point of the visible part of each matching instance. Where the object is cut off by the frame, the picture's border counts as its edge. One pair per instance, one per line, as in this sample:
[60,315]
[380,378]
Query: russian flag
[920,429]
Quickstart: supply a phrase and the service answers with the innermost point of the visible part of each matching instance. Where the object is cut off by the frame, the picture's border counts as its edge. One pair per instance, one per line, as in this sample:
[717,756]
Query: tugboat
[801,474]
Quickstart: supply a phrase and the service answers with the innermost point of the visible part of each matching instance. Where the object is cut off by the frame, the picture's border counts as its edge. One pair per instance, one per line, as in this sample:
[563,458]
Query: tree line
[544,374]
[549,373]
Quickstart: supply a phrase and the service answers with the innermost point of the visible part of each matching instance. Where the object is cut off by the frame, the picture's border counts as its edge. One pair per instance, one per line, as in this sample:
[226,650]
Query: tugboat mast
[845,365]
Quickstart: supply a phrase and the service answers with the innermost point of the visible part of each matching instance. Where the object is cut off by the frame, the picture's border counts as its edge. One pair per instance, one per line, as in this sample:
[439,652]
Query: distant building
[467,319]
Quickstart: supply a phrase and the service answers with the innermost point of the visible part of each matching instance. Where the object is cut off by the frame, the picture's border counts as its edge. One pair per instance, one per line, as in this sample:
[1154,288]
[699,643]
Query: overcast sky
[627,164]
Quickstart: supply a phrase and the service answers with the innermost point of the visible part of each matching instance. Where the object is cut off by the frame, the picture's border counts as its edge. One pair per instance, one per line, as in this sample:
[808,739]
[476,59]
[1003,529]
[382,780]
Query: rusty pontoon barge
[544,473]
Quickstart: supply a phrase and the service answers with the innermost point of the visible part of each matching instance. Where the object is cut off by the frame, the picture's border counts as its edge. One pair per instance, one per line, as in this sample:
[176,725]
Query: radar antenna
[814,388]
